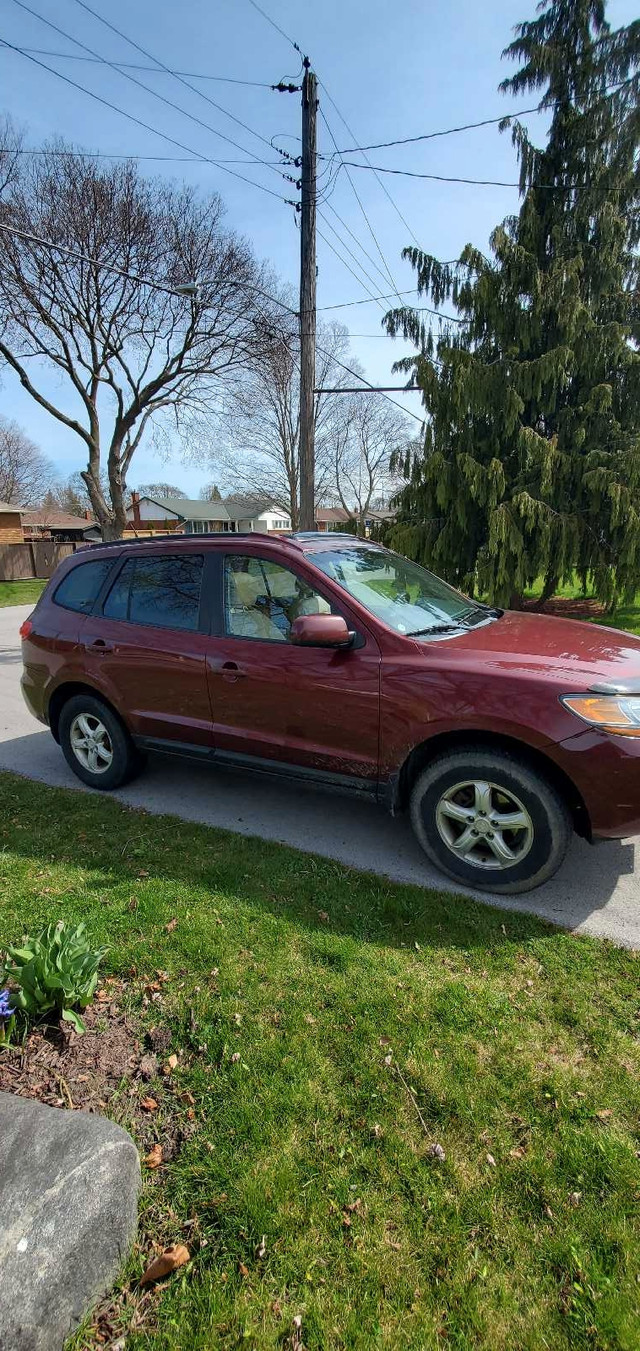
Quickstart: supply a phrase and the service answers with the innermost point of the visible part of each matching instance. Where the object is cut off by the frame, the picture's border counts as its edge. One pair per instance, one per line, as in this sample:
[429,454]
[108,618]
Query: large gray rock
[69,1187]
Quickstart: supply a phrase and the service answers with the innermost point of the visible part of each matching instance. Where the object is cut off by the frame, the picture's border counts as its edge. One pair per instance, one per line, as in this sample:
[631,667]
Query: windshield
[402,594]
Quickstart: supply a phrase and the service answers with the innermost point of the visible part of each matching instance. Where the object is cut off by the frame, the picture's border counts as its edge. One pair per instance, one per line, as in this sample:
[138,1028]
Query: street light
[188,288]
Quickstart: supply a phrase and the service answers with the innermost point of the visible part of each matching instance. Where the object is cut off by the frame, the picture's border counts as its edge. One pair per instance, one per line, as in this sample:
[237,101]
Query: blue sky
[392,70]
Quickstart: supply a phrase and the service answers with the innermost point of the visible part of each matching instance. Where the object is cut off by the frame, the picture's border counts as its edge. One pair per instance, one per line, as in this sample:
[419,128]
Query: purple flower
[5,1011]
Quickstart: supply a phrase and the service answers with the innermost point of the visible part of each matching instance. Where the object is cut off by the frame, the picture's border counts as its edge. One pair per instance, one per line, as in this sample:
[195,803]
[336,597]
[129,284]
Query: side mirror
[320,631]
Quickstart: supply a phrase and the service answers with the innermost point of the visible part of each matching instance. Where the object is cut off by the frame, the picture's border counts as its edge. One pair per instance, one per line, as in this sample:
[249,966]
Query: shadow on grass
[120,849]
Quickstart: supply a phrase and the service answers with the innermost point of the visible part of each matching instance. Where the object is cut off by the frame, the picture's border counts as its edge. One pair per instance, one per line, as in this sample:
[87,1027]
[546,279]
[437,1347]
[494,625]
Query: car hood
[539,644]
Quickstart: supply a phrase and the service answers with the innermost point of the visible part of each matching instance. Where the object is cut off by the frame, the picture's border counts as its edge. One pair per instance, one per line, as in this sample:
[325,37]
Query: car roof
[299,541]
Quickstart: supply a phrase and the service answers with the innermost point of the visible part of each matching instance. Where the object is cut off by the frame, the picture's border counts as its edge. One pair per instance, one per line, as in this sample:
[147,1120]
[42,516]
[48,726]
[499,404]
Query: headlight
[616,713]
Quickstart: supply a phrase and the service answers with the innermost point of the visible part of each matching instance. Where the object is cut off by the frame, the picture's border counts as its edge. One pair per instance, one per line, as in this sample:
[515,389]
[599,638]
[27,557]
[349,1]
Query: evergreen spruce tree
[531,460]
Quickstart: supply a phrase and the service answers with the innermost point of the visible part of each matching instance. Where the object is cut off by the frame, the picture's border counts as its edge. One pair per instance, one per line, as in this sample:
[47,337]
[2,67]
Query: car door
[315,709]
[147,648]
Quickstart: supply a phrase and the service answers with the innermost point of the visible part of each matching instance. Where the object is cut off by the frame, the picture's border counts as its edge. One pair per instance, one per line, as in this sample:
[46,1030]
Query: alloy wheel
[484,824]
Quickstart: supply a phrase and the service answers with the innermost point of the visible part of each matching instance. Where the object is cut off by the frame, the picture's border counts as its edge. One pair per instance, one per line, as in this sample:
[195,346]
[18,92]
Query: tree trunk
[550,587]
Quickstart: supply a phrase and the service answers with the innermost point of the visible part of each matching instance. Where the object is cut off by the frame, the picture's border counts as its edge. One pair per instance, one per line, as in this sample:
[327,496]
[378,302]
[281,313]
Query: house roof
[247,508]
[332,515]
[9,506]
[190,508]
[59,520]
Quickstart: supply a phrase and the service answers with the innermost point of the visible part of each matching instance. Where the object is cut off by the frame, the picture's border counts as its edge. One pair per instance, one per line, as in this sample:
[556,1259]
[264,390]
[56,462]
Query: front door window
[262,599]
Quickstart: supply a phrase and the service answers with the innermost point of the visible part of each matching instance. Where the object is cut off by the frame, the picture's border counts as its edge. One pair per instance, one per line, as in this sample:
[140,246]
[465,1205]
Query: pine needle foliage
[531,459]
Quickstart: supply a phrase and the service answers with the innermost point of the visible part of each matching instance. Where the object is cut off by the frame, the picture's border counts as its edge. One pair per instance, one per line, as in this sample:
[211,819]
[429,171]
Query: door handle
[98,647]
[230,670]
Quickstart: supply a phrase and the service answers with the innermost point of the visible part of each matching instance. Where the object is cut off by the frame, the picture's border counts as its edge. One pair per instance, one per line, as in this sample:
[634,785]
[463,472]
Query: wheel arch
[63,693]
[429,750]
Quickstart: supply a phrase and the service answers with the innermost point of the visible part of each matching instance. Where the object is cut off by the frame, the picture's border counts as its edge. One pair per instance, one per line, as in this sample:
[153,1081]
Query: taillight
[26,629]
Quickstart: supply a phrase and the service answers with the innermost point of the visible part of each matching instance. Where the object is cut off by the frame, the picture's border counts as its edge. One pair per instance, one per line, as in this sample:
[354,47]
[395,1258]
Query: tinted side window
[80,587]
[160,591]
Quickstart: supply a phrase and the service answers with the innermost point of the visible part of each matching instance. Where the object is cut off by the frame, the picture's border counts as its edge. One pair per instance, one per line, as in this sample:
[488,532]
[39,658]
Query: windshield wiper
[435,628]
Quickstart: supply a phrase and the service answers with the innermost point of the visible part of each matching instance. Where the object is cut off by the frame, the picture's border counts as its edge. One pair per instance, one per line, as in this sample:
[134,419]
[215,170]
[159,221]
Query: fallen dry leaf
[491,1160]
[322,915]
[575,1198]
[606,1112]
[244,1271]
[149,1104]
[262,1247]
[143,873]
[235,1057]
[173,924]
[168,1261]
[436,1152]
[188,1098]
[385,1041]
[517,1153]
[154,1157]
[171,1064]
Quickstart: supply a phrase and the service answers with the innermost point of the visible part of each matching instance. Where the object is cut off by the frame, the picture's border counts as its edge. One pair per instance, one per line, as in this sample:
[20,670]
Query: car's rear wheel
[490,820]
[96,745]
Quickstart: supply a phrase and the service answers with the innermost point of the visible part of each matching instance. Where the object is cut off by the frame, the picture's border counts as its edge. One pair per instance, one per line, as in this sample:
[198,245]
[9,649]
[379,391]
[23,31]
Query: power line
[345,263]
[107,154]
[470,126]
[414,290]
[372,280]
[431,135]
[122,272]
[138,121]
[475,182]
[181,79]
[356,241]
[139,83]
[158,286]
[370,228]
[132,65]
[369,386]
[269,20]
[382,184]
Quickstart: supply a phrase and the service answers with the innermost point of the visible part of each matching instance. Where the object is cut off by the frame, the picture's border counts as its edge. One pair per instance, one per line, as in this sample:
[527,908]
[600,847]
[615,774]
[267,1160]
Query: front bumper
[606,771]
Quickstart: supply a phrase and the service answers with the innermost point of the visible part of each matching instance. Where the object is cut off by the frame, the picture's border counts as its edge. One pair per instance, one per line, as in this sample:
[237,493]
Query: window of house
[79,589]
[161,591]
[262,599]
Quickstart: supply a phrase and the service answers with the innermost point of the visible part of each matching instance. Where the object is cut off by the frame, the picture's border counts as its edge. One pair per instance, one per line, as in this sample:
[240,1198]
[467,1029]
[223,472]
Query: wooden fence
[34,558]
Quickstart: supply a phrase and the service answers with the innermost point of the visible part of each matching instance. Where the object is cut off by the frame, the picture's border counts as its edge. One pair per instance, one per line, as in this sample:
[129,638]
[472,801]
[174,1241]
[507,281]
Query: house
[10,524]
[331,518]
[152,515]
[45,523]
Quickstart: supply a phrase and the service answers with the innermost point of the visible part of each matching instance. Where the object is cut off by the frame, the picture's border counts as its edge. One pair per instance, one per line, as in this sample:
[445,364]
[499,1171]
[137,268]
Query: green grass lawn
[22,593]
[331,1027]
[627,616]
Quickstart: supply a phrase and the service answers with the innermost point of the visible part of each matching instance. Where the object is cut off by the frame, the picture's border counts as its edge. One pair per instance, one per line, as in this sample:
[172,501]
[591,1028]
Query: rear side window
[79,589]
[161,591]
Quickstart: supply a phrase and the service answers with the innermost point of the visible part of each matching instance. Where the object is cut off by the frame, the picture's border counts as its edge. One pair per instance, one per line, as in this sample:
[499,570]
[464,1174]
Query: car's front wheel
[490,820]
[96,745]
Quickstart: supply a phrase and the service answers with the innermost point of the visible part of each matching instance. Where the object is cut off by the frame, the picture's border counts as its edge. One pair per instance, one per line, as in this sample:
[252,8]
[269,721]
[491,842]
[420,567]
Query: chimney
[135,503]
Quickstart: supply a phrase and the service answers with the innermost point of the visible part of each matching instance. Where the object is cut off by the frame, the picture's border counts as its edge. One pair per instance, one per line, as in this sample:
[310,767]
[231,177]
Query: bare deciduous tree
[128,350]
[373,432]
[259,453]
[25,473]
[160,490]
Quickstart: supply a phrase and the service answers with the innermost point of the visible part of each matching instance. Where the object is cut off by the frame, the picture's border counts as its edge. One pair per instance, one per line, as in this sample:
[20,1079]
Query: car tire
[96,744]
[490,821]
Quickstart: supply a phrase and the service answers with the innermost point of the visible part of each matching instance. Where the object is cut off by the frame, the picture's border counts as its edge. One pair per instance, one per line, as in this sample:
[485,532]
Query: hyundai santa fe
[332,660]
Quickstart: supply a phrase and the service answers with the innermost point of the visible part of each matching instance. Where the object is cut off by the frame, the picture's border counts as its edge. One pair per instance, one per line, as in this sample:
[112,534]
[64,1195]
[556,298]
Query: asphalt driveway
[597,890]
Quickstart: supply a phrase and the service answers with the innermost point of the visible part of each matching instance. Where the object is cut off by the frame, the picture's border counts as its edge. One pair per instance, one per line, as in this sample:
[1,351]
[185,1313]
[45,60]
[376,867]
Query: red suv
[331,660]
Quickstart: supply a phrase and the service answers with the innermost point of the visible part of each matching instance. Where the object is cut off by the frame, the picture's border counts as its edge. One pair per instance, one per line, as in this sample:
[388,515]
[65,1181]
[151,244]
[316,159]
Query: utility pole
[308,300]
